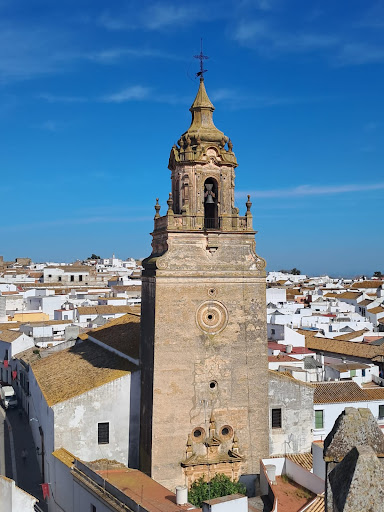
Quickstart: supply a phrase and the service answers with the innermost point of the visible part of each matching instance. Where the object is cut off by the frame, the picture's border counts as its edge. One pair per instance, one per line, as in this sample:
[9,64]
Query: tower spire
[201,58]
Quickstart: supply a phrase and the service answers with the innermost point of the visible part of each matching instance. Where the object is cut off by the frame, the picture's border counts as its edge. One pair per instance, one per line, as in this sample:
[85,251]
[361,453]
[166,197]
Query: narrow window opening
[103,433]
[276,418]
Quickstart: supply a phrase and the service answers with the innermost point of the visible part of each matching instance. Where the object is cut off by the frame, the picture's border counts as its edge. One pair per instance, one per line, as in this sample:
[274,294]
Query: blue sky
[93,94]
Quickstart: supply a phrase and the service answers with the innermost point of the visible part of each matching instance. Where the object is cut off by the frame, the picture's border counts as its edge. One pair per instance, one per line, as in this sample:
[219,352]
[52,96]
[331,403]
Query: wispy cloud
[271,38]
[112,55]
[261,35]
[50,126]
[135,92]
[312,190]
[52,98]
[158,16]
[27,52]
[354,54]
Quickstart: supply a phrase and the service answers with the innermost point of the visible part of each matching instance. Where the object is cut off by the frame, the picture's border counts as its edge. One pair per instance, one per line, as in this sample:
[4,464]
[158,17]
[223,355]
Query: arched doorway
[211,220]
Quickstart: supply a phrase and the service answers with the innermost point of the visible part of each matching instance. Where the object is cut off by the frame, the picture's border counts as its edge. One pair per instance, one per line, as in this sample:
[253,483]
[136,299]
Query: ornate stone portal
[203,337]
[218,453]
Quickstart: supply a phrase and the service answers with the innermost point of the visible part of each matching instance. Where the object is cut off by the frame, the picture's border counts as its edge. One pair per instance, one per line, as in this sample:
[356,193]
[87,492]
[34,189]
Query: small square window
[80,277]
[273,331]
[103,433]
[276,418]
[72,278]
[319,419]
[93,508]
[381,412]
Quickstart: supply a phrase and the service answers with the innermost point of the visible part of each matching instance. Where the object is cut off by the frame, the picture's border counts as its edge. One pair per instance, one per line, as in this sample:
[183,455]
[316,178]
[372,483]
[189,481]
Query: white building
[331,398]
[85,398]
[14,499]
[291,414]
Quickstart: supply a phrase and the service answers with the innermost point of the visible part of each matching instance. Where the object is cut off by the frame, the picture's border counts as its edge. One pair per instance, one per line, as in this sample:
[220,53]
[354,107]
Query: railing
[211,223]
[199,222]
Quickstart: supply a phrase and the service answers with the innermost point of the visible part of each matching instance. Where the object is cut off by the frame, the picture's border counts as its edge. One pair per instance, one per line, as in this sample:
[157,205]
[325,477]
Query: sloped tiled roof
[375,393]
[122,334]
[317,505]
[64,456]
[367,284]
[349,295]
[104,310]
[338,392]
[375,311]
[351,335]
[9,336]
[365,302]
[76,370]
[304,460]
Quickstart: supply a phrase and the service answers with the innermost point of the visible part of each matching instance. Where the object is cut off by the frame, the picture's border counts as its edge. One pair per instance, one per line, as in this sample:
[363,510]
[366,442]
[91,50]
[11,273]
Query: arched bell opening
[211,218]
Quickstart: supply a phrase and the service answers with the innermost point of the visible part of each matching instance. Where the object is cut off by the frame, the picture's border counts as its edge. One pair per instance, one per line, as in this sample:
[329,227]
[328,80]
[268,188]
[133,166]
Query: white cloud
[112,55]
[157,16]
[261,35]
[50,126]
[135,92]
[355,54]
[311,190]
[52,98]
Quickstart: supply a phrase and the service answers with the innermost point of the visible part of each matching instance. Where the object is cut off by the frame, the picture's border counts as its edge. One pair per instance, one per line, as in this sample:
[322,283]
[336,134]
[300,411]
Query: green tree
[295,272]
[378,274]
[93,257]
[220,485]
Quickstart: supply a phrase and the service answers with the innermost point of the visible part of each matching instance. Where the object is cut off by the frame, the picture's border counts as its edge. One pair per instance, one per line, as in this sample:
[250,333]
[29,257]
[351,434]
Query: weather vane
[201,58]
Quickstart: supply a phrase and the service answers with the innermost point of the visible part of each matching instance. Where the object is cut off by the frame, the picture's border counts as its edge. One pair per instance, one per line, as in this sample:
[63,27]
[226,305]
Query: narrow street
[27,475]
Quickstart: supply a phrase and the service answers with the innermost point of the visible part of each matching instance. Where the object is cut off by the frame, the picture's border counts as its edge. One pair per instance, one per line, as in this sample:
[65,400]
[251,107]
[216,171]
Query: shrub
[220,485]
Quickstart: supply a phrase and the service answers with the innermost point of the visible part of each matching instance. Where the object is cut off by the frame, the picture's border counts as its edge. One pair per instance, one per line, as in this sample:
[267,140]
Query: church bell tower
[204,392]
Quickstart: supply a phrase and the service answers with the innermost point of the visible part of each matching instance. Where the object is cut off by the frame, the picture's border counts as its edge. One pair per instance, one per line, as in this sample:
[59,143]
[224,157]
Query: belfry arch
[211,217]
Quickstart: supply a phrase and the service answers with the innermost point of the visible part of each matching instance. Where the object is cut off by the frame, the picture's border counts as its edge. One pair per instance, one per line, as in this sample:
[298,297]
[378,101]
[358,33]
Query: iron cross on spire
[201,58]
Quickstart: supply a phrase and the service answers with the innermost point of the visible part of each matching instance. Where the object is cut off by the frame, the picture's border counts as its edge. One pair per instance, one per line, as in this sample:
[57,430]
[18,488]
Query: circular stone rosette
[212,317]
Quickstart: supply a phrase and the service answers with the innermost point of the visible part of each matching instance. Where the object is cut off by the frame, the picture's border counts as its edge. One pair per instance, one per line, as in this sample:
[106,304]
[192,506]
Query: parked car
[8,398]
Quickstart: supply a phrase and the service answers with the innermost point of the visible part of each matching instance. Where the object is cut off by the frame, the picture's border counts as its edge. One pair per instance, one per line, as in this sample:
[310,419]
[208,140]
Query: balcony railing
[196,222]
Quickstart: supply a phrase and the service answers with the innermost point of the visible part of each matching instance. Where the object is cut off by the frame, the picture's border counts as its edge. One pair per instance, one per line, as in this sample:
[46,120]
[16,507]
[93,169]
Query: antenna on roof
[201,58]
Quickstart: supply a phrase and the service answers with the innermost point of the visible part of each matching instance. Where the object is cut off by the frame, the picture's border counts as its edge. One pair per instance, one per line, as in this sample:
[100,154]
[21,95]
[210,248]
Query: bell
[209,199]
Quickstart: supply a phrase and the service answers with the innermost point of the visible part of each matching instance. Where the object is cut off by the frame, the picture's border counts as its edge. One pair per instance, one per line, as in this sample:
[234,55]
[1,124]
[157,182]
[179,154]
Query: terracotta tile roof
[365,302]
[76,370]
[350,295]
[346,367]
[104,310]
[64,456]
[10,325]
[381,320]
[304,460]
[375,311]
[351,335]
[338,392]
[123,334]
[367,284]
[355,349]
[9,336]
[47,322]
[131,482]
[282,358]
[375,393]
[317,505]
[331,295]
[128,288]
[287,376]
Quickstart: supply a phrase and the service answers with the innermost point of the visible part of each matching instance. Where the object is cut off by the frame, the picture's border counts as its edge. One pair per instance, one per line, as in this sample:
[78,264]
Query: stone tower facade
[203,337]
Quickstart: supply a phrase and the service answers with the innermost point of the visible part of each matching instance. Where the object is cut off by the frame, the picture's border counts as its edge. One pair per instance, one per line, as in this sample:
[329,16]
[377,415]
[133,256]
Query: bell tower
[204,392]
